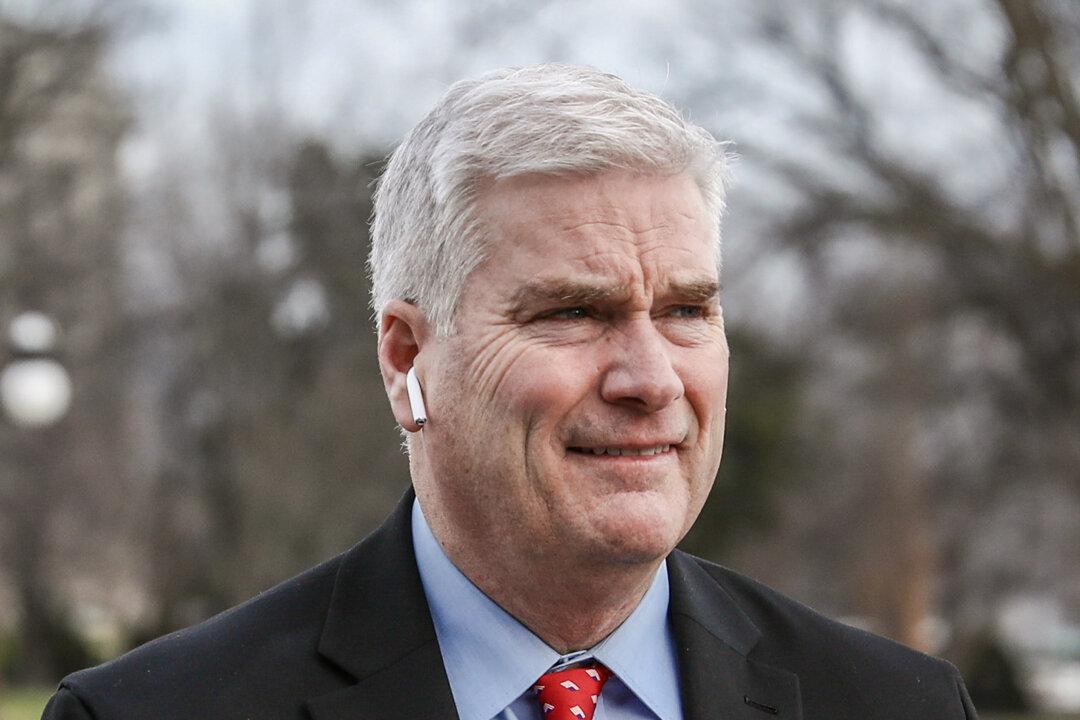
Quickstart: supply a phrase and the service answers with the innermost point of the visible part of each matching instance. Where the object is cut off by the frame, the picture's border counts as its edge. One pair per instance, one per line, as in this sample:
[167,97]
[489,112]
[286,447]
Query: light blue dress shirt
[492,660]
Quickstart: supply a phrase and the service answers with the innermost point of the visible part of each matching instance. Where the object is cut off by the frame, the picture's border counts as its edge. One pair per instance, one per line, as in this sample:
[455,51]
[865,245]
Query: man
[545,270]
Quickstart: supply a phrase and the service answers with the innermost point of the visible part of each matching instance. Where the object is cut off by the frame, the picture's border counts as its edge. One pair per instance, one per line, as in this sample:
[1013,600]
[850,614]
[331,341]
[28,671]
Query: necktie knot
[571,694]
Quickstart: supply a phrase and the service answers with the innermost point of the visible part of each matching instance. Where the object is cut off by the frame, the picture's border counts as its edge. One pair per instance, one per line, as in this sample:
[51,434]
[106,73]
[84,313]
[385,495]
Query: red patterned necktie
[571,694]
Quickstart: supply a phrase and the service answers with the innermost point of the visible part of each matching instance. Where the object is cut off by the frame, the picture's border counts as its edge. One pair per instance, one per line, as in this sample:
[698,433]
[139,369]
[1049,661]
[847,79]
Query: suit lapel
[715,639]
[378,630]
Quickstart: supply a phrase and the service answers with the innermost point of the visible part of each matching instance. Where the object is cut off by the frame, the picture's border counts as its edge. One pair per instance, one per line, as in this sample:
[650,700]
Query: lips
[619,451]
[643,447]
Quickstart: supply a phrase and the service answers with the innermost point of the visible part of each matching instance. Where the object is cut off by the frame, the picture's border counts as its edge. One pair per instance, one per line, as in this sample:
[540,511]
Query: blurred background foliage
[184,189]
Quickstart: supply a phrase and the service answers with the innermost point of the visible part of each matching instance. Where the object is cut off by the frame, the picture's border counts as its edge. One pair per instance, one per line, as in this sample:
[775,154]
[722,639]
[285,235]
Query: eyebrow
[574,292]
[695,291]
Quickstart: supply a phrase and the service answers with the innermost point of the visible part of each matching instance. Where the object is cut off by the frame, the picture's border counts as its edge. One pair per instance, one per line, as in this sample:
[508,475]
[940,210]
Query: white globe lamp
[35,389]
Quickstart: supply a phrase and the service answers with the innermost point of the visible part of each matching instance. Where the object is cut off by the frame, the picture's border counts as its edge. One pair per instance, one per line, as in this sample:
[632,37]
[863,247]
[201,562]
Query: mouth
[625,451]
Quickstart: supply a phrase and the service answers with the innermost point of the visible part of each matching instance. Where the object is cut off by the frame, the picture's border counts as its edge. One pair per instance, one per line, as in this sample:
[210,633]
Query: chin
[640,530]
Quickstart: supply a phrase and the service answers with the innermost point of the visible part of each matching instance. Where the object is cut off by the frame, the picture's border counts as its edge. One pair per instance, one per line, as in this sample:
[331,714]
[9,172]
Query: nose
[640,374]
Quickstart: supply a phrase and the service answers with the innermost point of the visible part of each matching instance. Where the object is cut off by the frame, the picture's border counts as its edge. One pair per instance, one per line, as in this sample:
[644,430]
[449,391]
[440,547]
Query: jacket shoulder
[262,653]
[839,664]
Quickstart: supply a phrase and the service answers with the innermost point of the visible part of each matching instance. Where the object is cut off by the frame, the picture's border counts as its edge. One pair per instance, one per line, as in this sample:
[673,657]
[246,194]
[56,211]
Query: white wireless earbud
[416,397]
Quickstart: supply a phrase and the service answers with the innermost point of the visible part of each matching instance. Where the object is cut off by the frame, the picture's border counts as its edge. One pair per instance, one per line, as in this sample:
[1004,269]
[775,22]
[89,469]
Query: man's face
[577,413]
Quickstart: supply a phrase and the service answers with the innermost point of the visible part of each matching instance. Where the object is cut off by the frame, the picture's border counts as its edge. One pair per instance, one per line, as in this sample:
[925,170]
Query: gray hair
[426,237]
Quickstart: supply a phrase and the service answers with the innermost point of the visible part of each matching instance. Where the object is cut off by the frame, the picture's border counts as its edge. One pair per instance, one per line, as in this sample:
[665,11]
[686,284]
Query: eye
[688,312]
[570,313]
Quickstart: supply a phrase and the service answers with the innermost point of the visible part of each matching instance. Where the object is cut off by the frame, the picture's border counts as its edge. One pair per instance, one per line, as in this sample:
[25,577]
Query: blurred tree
[61,202]
[278,456]
[764,402]
[934,190]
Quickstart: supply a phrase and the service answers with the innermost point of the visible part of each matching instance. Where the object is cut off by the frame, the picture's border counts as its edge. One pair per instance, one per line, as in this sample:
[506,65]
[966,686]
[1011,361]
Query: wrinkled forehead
[616,204]
[614,195]
[600,236]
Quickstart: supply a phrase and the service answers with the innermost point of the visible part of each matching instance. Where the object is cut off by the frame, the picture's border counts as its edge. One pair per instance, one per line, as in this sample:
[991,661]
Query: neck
[572,609]
[575,606]
[571,618]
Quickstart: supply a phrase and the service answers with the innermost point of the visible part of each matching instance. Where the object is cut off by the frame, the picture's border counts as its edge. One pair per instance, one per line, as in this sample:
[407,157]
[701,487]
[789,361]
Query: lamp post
[35,395]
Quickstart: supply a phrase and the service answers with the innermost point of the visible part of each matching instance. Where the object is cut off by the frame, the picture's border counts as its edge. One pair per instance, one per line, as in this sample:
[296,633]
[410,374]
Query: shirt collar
[641,651]
[491,658]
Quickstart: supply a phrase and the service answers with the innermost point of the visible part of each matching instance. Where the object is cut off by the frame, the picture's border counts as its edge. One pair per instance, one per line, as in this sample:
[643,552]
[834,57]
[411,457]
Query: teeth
[657,450]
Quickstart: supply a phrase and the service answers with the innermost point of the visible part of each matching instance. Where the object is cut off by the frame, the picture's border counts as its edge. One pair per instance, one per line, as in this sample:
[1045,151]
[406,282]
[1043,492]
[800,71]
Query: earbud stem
[416,397]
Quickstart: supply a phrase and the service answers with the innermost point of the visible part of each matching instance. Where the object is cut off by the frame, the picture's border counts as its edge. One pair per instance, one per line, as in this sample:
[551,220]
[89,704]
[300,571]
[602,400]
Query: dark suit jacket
[353,638]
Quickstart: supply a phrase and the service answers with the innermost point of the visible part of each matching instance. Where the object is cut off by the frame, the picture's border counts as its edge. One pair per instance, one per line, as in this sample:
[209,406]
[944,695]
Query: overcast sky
[363,72]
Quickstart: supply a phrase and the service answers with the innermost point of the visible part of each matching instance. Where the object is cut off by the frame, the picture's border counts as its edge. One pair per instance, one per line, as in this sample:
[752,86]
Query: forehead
[615,227]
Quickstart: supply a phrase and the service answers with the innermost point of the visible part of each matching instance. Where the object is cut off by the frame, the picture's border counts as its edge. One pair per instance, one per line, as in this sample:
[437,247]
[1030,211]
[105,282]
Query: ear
[404,331]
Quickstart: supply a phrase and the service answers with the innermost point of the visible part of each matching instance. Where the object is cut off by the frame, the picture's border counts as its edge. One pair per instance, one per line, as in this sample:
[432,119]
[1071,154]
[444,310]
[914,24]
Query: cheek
[705,377]
[543,387]
[481,365]
[706,390]
[514,400]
